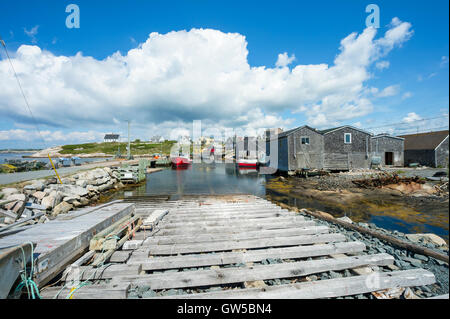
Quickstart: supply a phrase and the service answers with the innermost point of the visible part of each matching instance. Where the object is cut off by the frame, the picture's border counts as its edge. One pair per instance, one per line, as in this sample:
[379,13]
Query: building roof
[341,127]
[111,136]
[389,136]
[286,133]
[424,141]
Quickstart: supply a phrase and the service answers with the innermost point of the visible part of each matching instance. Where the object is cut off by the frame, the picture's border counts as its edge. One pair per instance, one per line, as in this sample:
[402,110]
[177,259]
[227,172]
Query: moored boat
[247,163]
[178,161]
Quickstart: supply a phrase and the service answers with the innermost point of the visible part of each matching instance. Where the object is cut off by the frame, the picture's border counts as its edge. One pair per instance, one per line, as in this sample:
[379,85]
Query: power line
[22,92]
[409,123]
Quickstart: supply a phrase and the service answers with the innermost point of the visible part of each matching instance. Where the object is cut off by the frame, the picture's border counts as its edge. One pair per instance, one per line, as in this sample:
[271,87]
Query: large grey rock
[48,202]
[427,239]
[92,188]
[84,201]
[35,186]
[9,191]
[71,199]
[70,190]
[61,208]
[10,205]
[105,187]
[16,197]
[18,207]
[102,181]
[68,181]
[345,219]
[39,195]
[81,183]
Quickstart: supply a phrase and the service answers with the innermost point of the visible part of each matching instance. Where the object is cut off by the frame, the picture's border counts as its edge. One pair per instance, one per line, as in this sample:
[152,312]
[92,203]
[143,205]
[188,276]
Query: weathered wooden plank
[181,218]
[154,218]
[261,221]
[101,291]
[330,288]
[132,244]
[202,278]
[270,233]
[104,272]
[244,244]
[61,241]
[224,258]
[229,229]
[120,256]
[243,212]
[218,209]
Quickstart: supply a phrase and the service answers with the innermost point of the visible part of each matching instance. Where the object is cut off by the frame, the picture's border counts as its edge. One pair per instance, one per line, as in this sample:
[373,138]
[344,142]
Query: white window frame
[302,137]
[345,138]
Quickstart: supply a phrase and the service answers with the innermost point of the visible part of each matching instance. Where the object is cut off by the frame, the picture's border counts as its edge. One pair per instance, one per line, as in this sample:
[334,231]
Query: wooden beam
[222,276]
[330,288]
[102,291]
[240,222]
[269,233]
[218,229]
[106,272]
[220,259]
[244,244]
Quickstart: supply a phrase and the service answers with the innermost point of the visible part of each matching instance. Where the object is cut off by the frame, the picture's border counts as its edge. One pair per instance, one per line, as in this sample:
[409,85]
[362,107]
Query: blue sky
[412,85]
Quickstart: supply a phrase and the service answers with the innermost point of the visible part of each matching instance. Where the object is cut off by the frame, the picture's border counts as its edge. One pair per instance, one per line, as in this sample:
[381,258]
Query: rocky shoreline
[53,198]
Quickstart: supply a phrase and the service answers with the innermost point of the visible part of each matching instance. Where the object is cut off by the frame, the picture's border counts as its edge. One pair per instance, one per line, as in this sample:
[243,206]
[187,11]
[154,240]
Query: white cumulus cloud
[202,74]
[389,91]
[411,117]
[284,60]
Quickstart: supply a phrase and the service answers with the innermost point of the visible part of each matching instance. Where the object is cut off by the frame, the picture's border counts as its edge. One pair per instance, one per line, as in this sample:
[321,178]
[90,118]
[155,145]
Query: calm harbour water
[216,178]
[220,178]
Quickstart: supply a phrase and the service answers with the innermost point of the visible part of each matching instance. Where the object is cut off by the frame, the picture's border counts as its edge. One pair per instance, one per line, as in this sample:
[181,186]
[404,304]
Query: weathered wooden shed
[247,147]
[340,148]
[346,147]
[299,148]
[430,149]
[389,149]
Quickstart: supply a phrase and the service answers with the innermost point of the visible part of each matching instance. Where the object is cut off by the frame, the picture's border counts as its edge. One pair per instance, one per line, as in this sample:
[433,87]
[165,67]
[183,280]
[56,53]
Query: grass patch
[111,148]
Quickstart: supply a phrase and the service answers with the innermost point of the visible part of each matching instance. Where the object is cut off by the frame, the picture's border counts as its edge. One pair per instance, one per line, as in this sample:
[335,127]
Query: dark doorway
[388,158]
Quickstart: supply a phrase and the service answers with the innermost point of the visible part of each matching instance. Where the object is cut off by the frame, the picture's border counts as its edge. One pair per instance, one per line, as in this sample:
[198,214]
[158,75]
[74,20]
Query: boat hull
[180,161]
[247,164]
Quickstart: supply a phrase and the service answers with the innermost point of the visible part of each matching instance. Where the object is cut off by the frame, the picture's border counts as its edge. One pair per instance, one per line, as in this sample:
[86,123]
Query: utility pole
[129,146]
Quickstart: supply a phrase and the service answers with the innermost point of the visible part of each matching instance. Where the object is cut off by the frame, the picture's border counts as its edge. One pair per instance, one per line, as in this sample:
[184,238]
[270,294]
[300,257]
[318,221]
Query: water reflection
[204,178]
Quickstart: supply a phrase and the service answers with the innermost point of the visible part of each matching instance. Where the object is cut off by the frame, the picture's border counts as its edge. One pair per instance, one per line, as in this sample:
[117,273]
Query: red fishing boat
[247,163]
[180,161]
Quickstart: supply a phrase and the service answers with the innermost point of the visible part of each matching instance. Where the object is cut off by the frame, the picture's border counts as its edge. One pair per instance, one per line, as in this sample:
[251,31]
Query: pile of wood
[384,179]
[105,243]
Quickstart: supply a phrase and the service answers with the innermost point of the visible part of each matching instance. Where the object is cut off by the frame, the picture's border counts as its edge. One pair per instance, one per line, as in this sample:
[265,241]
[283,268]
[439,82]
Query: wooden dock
[60,241]
[235,247]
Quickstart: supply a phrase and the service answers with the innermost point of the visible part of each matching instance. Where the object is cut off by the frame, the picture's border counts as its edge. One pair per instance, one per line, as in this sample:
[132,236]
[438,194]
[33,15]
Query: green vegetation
[111,148]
